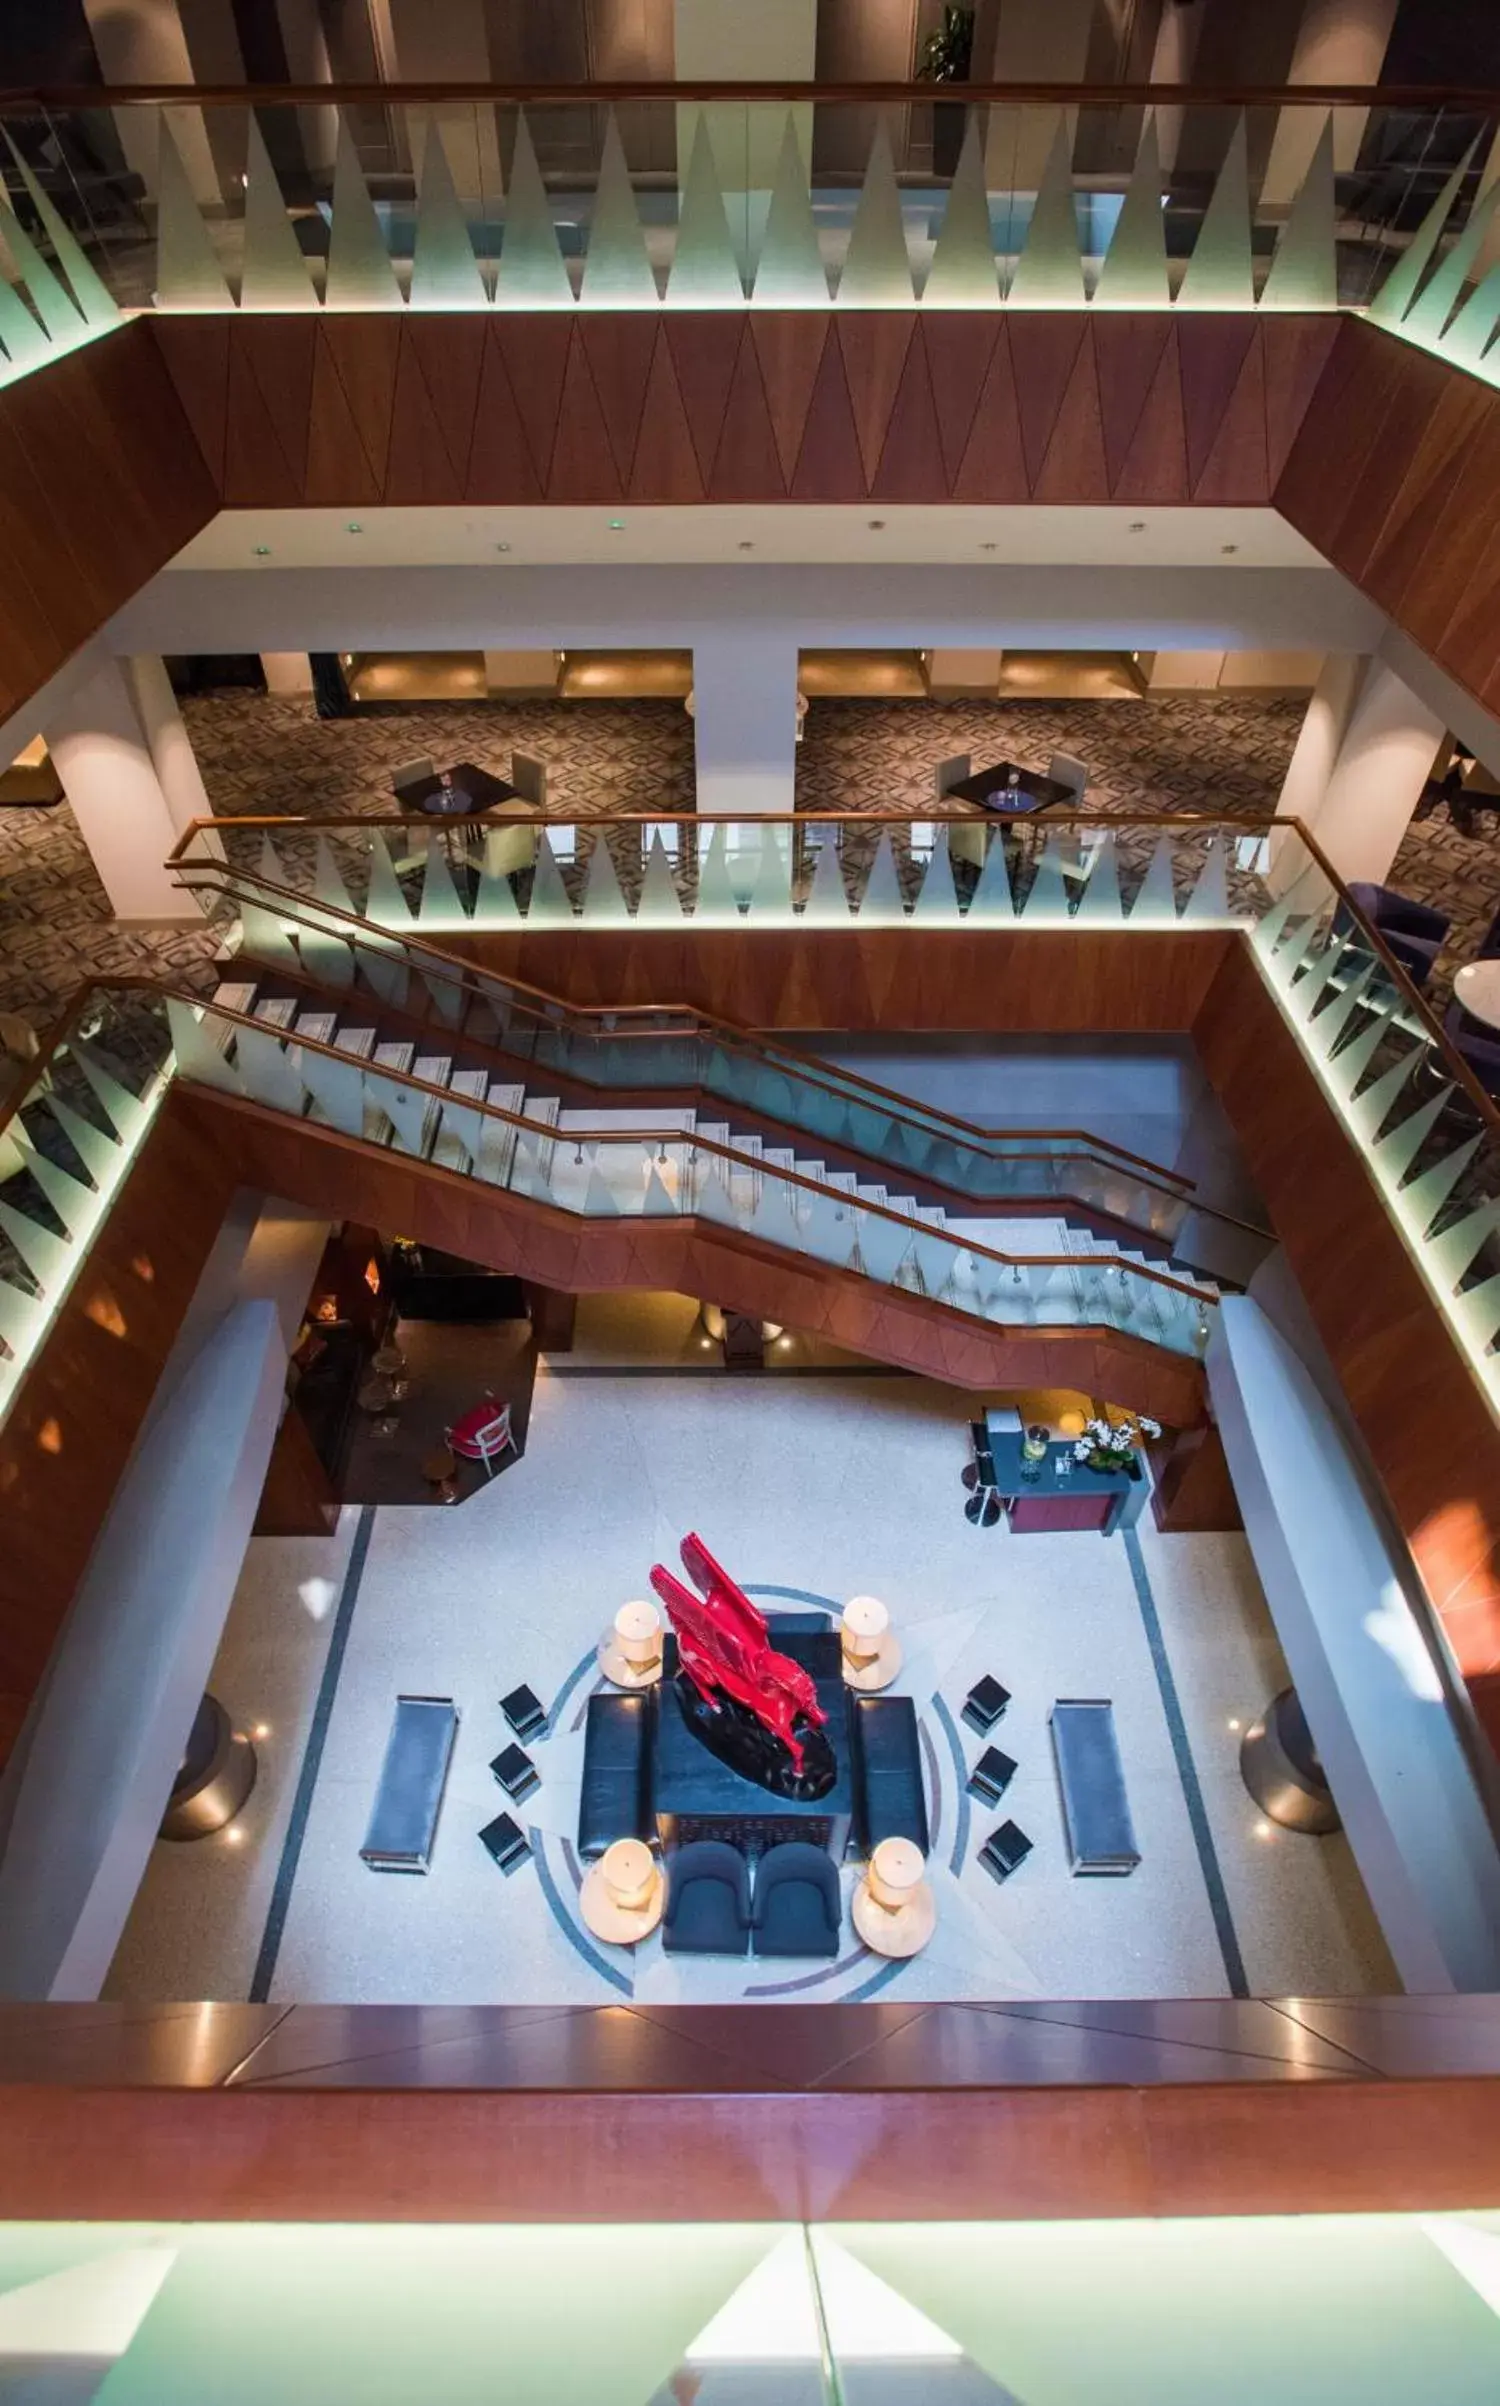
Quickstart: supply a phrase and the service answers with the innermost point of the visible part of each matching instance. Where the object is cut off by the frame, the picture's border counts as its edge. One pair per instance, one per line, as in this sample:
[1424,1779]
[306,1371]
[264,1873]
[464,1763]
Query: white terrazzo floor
[821,1486]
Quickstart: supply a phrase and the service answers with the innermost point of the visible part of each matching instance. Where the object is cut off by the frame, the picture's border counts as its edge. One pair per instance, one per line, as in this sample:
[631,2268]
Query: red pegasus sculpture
[724,1645]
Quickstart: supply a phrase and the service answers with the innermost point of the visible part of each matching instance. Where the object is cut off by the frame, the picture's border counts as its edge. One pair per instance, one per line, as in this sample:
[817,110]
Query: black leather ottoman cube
[516,1772]
[984,1705]
[991,1776]
[615,1801]
[1004,1850]
[526,1713]
[504,1841]
[889,1798]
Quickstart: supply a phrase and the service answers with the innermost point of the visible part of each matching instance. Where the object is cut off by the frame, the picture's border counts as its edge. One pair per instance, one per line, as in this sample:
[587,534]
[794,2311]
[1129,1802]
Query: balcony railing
[704,197]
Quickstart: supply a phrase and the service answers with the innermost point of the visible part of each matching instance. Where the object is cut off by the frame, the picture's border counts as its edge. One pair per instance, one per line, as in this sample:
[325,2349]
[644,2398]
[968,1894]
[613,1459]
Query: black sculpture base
[744,1745]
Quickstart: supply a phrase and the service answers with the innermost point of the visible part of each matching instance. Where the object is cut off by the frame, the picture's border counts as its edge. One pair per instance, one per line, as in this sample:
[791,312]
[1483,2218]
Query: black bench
[889,1798]
[616,1798]
[403,1822]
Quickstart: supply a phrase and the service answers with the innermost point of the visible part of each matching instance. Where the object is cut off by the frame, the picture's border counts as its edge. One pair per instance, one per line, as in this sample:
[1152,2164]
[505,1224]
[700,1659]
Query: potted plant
[1111,1444]
[944,59]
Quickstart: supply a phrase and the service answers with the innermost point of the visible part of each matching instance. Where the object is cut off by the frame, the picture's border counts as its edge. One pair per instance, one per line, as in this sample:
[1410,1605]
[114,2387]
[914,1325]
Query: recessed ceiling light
[1137,526]
[354,527]
[502,547]
[989,547]
[263,551]
[1227,548]
[617,526]
[747,547]
[876,525]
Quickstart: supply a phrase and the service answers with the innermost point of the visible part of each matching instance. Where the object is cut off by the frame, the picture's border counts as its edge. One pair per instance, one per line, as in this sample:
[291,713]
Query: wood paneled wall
[1042,980]
[1429,1430]
[65,1443]
[101,481]
[1395,476]
[69,2152]
[337,1175]
[347,410]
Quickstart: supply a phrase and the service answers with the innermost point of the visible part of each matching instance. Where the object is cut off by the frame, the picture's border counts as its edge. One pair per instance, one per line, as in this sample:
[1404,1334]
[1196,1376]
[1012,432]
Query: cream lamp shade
[638,1630]
[897,1870]
[863,1623]
[629,1872]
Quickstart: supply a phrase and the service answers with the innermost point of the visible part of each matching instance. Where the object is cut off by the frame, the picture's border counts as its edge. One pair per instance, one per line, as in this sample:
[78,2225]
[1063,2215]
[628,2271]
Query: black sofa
[616,1798]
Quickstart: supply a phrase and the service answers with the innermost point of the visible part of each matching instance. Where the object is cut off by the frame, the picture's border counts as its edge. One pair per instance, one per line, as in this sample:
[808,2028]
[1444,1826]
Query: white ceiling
[866,535]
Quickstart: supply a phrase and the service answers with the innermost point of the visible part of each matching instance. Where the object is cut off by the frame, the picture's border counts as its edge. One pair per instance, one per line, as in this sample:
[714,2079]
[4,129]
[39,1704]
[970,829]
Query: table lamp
[630,1651]
[871,1655]
[896,1870]
[630,1872]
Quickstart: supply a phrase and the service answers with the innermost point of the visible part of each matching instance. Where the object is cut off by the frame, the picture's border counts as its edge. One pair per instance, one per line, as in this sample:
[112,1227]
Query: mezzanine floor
[810,1487]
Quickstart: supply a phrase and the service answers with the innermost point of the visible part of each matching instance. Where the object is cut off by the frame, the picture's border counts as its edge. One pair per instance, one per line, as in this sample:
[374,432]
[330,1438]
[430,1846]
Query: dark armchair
[708,1900]
[797,1903]
[1412,930]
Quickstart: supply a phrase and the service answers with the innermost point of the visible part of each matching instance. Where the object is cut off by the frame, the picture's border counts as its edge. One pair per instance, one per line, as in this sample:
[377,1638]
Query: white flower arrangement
[1116,1440]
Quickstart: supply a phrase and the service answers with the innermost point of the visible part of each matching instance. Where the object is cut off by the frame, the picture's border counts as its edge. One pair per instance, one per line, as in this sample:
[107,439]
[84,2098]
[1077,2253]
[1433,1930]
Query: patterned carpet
[261,753]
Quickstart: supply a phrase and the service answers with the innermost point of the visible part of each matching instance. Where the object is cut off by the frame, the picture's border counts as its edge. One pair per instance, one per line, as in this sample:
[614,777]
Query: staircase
[447,1091]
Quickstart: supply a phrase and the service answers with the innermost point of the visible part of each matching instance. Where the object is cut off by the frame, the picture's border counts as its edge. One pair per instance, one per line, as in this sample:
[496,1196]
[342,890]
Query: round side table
[1477,987]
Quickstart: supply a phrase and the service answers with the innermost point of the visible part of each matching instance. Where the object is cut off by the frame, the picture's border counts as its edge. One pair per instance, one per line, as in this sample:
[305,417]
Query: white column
[172,755]
[1338,42]
[1323,730]
[1384,758]
[745,722]
[102,755]
[287,672]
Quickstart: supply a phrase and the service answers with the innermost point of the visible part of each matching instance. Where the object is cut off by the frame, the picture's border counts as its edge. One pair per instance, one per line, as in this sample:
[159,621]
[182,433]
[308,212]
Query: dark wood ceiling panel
[1073,468]
[993,466]
[960,346]
[420,467]
[1234,472]
[501,464]
[583,468]
[704,347]
[1044,346]
[875,344]
[339,473]
[789,346]
[195,353]
[1297,350]
[665,466]
[904,472]
[619,346]
[1440,467]
[746,465]
[1155,466]
[535,350]
[1128,349]
[829,465]
[278,353]
[1212,352]
[364,347]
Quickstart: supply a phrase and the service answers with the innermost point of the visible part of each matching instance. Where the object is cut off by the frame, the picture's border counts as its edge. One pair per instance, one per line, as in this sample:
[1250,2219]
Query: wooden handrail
[547,1133]
[1472,101]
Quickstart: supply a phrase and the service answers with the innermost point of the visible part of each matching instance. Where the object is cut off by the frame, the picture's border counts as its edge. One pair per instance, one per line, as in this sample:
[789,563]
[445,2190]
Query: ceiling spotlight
[354,527]
[263,551]
[876,525]
[1137,526]
[747,547]
[1227,548]
[502,547]
[989,547]
[617,526]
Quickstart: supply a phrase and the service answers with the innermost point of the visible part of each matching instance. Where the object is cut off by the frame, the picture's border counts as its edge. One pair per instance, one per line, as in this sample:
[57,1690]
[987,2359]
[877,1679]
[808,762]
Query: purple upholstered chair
[1413,931]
